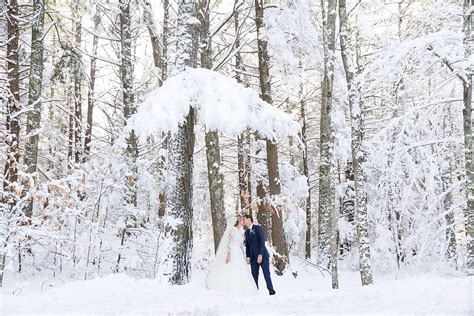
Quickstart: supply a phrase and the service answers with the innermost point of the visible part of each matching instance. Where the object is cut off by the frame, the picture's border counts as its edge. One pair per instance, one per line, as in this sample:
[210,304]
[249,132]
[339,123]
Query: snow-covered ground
[309,293]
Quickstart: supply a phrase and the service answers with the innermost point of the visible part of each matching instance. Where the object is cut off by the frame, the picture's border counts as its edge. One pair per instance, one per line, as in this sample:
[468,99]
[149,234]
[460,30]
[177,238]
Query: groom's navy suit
[255,246]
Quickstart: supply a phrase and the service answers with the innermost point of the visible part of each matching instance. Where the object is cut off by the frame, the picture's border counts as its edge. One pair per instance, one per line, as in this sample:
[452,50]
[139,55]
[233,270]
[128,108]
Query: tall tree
[215,176]
[394,209]
[356,108]
[468,138]
[158,51]
[165,39]
[153,32]
[179,193]
[278,233]
[326,181]
[304,155]
[10,175]
[243,140]
[128,98]
[33,117]
[77,83]
[446,169]
[70,128]
[164,75]
[91,91]
[10,185]
[128,101]
[466,78]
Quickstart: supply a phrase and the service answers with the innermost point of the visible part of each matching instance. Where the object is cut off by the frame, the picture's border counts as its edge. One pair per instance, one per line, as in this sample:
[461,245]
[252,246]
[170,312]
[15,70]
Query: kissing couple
[237,250]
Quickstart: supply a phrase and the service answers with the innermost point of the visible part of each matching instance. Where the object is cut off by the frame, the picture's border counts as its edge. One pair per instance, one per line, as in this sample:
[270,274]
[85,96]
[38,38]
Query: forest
[132,132]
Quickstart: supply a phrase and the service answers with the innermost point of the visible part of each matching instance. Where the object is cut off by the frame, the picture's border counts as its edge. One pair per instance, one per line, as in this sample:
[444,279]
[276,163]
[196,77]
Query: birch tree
[326,181]
[446,170]
[356,108]
[305,162]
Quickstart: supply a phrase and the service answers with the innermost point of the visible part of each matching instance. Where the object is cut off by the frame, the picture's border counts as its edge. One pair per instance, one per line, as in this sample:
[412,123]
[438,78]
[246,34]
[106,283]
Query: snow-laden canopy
[411,59]
[222,103]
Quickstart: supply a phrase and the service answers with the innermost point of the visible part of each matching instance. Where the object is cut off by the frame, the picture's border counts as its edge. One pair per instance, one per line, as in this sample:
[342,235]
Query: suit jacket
[255,243]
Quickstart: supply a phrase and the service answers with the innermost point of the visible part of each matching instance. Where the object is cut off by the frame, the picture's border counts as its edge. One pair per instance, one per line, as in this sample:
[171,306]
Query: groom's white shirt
[251,226]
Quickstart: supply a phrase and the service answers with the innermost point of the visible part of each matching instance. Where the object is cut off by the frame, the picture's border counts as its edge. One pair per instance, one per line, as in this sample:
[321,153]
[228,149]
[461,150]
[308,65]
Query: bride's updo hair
[238,217]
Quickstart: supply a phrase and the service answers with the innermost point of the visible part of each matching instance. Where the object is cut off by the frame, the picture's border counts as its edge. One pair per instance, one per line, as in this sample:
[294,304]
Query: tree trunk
[263,214]
[12,131]
[164,74]
[446,178]
[278,233]
[71,107]
[166,27]
[334,249]
[34,99]
[12,138]
[126,70]
[157,50]
[90,95]
[216,185]
[215,176]
[467,118]
[393,214]
[77,91]
[243,140]
[70,147]
[128,99]
[152,31]
[304,154]
[238,57]
[446,169]
[243,163]
[179,211]
[347,206]
[326,181]
[356,108]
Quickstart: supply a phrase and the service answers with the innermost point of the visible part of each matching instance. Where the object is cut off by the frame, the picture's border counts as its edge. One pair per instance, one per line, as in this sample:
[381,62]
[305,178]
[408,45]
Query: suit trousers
[255,267]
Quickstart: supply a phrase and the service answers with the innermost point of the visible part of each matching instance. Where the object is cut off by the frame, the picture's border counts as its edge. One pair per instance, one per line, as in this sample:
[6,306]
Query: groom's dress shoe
[272,292]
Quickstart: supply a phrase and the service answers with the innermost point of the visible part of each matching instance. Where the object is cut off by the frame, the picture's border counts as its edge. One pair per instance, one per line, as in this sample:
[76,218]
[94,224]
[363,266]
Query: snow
[292,40]
[310,292]
[222,103]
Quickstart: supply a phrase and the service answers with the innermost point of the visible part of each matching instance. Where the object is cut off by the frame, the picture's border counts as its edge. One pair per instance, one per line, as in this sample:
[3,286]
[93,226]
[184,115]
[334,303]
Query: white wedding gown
[233,278]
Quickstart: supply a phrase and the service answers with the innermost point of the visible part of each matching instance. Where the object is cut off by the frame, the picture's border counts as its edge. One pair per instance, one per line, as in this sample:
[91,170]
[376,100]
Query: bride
[229,272]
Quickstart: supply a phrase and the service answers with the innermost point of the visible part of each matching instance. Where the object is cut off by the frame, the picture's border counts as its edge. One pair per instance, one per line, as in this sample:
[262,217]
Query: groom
[256,253]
